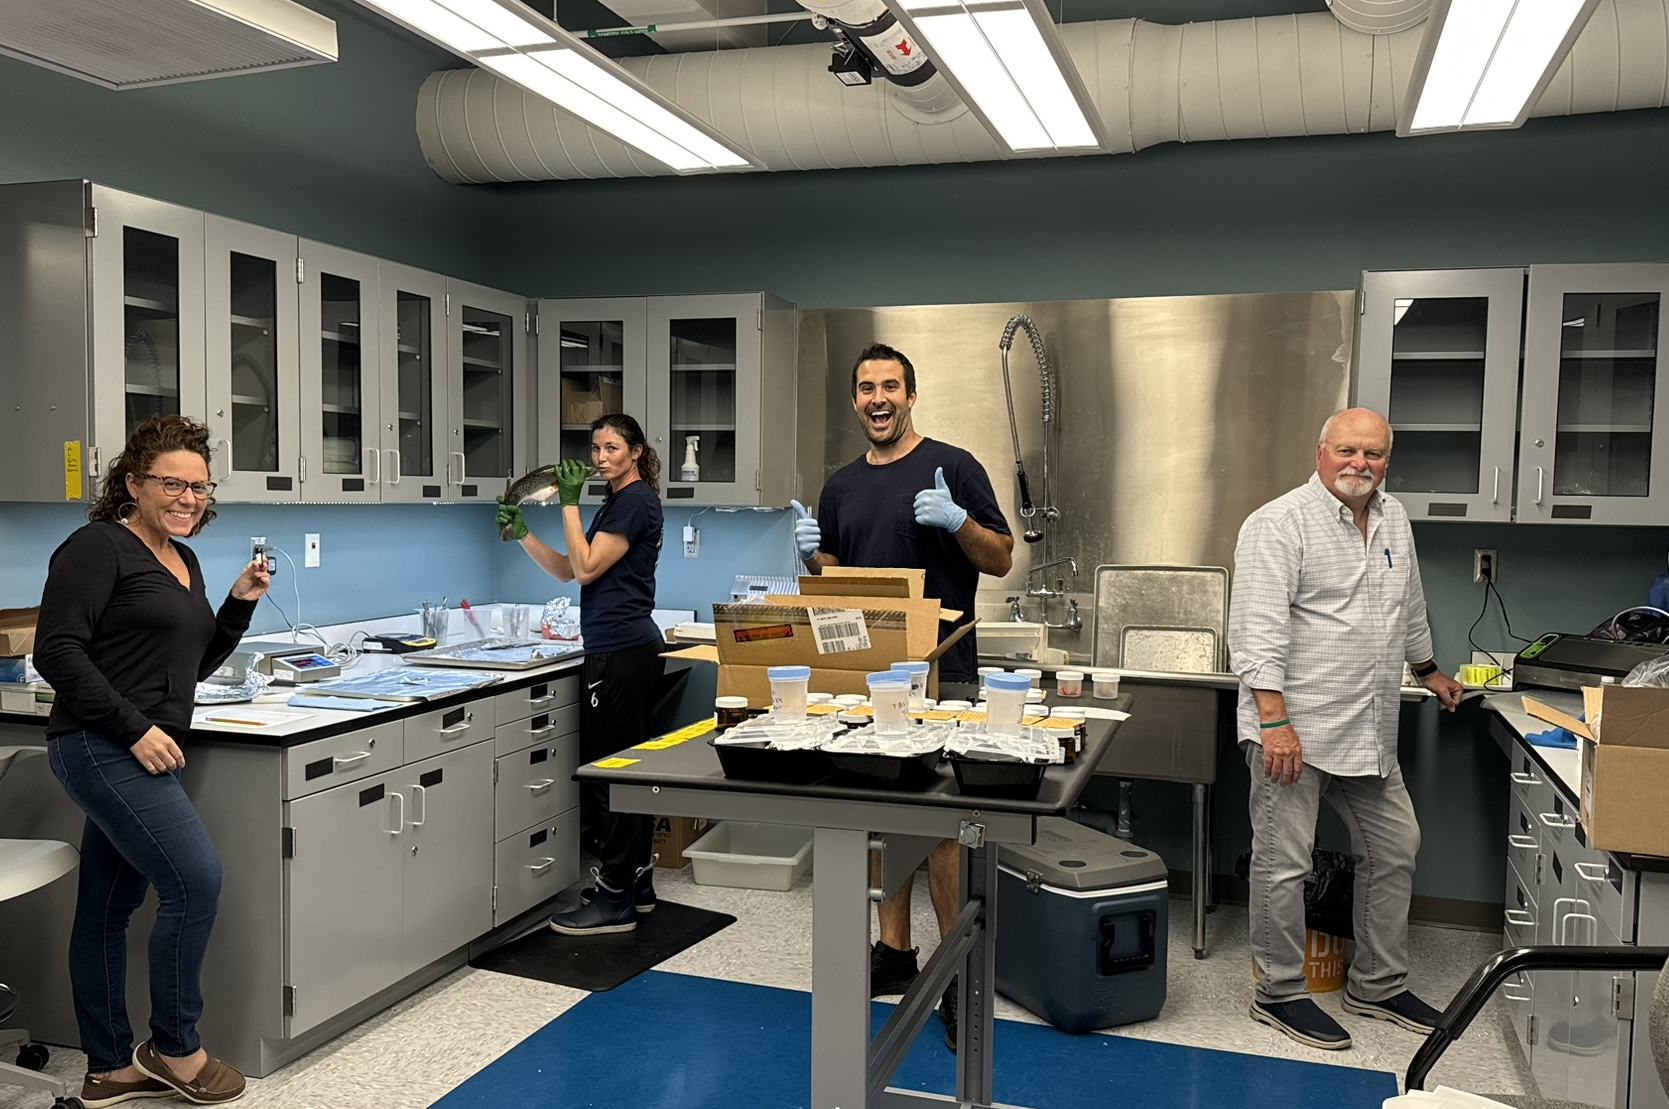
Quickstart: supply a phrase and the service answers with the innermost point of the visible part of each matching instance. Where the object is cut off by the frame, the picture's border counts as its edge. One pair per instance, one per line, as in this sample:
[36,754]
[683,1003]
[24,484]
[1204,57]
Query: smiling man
[1327,606]
[910,501]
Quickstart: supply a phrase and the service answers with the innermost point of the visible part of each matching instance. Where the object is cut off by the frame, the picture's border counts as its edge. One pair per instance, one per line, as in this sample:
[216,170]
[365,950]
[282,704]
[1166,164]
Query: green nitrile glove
[510,522]
[570,480]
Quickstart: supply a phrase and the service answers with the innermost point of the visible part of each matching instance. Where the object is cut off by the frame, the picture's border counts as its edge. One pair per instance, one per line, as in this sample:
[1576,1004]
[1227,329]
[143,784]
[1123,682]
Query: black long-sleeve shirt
[122,643]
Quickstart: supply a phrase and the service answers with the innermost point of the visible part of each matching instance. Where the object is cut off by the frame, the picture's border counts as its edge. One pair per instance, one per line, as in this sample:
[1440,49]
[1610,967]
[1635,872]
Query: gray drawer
[519,704]
[435,733]
[535,865]
[1523,838]
[1557,820]
[324,763]
[536,784]
[1527,776]
[543,726]
[1601,881]
[1519,923]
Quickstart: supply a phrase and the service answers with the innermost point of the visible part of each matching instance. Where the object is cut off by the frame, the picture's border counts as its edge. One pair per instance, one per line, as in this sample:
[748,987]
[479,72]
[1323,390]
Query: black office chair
[1473,996]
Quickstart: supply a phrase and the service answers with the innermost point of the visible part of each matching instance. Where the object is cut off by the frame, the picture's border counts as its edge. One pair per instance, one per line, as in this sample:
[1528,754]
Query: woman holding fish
[614,561]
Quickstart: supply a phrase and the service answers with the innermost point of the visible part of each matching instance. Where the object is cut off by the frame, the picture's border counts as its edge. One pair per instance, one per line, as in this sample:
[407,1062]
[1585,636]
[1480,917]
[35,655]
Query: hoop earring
[124,510]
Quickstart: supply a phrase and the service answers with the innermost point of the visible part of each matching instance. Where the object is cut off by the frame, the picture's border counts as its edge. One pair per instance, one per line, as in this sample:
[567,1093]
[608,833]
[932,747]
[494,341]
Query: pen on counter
[1388,558]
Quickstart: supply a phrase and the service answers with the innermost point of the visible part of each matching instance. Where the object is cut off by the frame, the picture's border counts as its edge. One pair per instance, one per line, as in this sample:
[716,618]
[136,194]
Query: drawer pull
[545,700]
[1557,820]
[420,794]
[461,726]
[1523,843]
[1520,918]
[1507,992]
[343,762]
[399,806]
[541,784]
[1564,926]
[1526,779]
[541,866]
[546,730]
[1594,872]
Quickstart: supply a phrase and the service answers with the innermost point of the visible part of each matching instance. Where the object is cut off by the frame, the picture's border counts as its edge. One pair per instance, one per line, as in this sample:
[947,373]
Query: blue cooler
[1082,922]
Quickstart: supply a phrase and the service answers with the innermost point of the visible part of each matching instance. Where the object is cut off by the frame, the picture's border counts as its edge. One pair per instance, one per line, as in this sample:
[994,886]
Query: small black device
[1557,661]
[402,644]
[265,555]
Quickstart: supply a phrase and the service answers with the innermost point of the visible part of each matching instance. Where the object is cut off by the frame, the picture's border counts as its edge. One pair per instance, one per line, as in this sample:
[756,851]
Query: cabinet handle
[376,456]
[1507,992]
[394,466]
[419,794]
[226,458]
[462,475]
[1526,779]
[463,726]
[1555,820]
[545,700]
[1539,475]
[1523,843]
[541,784]
[342,762]
[546,730]
[1513,918]
[541,866]
[1593,926]
[1593,872]
[1495,495]
[399,807]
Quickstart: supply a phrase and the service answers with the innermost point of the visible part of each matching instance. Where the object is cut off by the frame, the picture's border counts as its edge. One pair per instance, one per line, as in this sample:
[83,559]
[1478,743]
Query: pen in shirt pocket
[1388,558]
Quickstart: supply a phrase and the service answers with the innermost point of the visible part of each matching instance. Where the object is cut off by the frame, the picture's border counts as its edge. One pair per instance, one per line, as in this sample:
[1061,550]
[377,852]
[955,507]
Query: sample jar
[1005,703]
[1032,675]
[918,682]
[849,700]
[889,694]
[986,671]
[1069,683]
[1034,696]
[1106,684]
[819,698]
[788,691]
[956,706]
[729,712]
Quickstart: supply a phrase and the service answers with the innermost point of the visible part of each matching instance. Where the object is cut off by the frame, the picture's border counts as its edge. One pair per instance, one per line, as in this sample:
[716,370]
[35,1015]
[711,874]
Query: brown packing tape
[914,578]
[854,587]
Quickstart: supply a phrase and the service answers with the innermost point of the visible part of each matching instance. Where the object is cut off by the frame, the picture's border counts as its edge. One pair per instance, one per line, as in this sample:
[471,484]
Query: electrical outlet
[311,558]
[257,545]
[1484,566]
[692,542]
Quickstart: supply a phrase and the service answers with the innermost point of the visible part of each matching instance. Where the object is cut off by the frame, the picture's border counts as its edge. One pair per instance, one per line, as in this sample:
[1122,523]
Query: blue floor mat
[681,1042]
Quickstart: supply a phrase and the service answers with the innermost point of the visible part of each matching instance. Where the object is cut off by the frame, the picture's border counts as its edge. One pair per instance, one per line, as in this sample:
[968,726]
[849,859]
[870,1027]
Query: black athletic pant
[617,698]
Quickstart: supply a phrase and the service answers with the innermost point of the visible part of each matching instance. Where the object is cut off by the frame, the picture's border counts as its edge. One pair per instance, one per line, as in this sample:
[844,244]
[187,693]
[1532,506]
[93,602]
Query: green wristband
[1283,721]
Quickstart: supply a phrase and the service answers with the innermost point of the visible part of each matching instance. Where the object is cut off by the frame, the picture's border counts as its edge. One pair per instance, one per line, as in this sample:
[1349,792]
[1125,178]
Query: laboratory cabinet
[341,374]
[536,800]
[710,377]
[487,389]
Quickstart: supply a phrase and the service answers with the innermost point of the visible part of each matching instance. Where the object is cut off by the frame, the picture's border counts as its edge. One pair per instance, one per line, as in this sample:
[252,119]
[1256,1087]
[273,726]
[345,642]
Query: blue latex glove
[808,537]
[935,509]
[1553,737]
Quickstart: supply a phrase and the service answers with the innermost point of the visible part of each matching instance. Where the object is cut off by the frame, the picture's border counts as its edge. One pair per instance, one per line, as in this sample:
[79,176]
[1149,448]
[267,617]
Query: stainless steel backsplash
[1175,417]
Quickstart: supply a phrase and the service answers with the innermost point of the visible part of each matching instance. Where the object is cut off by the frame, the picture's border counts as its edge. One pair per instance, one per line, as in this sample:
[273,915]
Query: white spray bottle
[690,470]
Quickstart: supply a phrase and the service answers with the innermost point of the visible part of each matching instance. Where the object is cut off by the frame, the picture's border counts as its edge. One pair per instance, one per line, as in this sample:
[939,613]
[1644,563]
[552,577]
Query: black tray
[765,764]
[995,777]
[885,771]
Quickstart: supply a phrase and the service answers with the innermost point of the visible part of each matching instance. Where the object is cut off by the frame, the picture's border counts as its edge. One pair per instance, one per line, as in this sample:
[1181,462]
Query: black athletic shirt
[122,643]
[867,515]
[615,610]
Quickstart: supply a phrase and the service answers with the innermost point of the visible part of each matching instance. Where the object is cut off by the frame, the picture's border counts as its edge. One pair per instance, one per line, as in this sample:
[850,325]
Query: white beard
[1354,485]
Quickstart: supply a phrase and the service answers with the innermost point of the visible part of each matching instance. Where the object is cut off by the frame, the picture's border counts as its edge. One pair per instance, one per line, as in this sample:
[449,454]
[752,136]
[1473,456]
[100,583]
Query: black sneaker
[947,1013]
[643,891]
[1304,1021]
[609,910]
[1402,1009]
[891,970]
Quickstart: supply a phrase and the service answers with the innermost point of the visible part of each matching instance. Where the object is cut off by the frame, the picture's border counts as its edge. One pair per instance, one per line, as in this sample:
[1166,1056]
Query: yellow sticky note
[824,709]
[673,739]
[614,763]
[935,714]
[72,469]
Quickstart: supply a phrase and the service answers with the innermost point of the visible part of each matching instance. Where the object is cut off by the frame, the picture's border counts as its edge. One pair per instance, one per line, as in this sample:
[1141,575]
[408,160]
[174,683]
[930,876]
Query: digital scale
[293,663]
[1558,661]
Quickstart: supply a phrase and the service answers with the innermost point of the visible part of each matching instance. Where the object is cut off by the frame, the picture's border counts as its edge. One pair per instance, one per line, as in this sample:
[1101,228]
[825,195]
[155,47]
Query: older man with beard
[1326,608]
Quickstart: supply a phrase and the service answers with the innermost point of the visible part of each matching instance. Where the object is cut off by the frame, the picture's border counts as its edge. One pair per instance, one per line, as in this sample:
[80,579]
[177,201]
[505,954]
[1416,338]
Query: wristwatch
[1425,669]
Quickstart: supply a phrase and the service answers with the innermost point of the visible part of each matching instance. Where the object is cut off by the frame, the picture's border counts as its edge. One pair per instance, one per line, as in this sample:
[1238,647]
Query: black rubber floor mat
[598,963]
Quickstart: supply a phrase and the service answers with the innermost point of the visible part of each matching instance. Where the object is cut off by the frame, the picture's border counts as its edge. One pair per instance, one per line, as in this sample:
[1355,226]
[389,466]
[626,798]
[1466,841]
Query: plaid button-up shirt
[1328,619]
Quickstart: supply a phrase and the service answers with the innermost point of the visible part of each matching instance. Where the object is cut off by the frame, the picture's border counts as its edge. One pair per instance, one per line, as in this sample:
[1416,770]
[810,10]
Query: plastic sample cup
[788,691]
[1105,683]
[849,700]
[1034,696]
[1032,675]
[729,712]
[819,698]
[889,694]
[956,706]
[1005,703]
[1069,683]
[986,671]
[918,682]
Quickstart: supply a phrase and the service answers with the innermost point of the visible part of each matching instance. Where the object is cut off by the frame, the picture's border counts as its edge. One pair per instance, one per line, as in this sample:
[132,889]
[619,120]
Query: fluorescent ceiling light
[1484,63]
[1006,59]
[525,48]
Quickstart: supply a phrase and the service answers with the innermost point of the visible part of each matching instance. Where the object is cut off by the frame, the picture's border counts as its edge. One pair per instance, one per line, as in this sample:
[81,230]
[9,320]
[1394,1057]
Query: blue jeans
[141,831]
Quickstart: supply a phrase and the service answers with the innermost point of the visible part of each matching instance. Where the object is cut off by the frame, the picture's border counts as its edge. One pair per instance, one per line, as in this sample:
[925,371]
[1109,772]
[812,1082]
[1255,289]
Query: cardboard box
[1625,765]
[17,630]
[672,835]
[584,401]
[808,630]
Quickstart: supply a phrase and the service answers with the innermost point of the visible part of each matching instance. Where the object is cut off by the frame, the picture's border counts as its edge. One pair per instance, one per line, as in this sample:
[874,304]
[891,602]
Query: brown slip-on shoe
[215,1084]
[98,1092]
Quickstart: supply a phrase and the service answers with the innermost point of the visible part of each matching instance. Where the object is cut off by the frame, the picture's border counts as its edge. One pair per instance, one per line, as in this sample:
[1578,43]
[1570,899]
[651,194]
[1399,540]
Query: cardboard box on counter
[1624,749]
[17,630]
[823,627]
[672,835]
[583,402]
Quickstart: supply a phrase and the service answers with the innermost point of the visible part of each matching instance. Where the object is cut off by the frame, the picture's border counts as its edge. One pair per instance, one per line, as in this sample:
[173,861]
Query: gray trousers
[1384,838]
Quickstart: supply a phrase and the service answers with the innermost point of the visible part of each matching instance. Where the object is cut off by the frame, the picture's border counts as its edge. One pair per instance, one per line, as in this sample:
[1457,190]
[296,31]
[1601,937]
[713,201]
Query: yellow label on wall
[72,469]
[614,763]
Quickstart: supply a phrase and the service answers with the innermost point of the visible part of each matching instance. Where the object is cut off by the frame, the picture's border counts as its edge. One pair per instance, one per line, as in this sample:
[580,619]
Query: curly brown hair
[156,435]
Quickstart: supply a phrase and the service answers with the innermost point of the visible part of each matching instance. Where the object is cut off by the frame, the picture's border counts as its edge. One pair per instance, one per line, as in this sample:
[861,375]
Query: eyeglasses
[174,486]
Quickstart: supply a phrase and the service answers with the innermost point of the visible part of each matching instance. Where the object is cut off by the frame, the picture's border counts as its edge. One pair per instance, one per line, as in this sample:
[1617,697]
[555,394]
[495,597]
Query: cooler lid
[1069,855]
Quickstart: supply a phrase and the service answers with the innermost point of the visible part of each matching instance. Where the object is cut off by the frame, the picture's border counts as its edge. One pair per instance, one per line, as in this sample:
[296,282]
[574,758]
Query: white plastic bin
[751,856]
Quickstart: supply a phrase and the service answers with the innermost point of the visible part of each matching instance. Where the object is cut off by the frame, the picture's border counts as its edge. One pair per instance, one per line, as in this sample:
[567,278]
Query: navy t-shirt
[867,515]
[615,610]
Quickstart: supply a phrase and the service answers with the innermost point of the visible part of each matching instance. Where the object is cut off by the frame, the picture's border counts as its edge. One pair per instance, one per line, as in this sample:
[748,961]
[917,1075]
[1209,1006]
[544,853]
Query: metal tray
[497,654]
[1162,598]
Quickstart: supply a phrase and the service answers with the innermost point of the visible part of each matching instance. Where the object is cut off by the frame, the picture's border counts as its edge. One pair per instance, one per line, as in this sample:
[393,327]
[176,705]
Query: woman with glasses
[125,634]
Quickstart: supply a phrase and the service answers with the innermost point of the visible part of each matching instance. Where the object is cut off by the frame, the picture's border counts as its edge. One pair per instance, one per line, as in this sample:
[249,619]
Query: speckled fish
[534,487]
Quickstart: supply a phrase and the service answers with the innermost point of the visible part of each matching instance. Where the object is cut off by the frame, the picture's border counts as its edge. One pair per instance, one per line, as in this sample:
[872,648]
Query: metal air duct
[1380,17]
[1152,83]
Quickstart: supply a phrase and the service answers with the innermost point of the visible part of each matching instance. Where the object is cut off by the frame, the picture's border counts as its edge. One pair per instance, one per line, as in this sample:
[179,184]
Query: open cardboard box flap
[1554,716]
[17,630]
[857,581]
[1620,716]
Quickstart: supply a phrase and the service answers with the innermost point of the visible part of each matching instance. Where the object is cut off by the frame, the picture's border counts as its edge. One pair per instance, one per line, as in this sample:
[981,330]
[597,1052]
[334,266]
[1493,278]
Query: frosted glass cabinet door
[341,384]
[147,318]
[486,389]
[591,362]
[1439,357]
[704,378]
[412,316]
[250,299]
[1590,450]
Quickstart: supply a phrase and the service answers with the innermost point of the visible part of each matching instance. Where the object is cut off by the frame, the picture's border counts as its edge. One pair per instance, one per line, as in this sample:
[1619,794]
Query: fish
[534,487]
